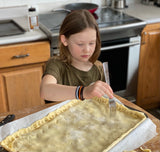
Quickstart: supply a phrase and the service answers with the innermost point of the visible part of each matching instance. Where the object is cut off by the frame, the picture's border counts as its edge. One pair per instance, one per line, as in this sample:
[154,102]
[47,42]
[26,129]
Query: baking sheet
[10,27]
[143,133]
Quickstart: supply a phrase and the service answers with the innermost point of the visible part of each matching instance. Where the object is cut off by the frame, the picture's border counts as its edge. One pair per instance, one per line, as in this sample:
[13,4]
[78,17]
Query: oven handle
[120,45]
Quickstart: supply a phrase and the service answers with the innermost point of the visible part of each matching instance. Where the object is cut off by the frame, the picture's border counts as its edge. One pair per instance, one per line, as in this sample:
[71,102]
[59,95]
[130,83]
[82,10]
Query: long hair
[76,22]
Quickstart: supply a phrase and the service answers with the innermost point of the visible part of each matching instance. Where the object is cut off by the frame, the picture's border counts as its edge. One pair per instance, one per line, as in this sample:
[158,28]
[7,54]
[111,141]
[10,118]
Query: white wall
[18,8]
[53,3]
[44,3]
[13,8]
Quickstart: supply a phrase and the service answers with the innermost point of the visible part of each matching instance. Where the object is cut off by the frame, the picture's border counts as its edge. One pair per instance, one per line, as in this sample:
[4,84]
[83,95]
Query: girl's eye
[80,44]
[92,43]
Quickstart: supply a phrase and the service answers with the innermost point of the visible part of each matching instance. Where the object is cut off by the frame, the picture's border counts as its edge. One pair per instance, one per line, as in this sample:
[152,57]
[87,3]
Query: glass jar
[33,18]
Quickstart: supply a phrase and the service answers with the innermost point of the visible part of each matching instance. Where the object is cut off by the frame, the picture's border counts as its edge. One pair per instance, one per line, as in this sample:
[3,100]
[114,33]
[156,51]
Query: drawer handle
[20,56]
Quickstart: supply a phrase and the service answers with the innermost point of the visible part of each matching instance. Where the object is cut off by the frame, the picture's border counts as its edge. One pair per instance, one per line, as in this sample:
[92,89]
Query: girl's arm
[52,91]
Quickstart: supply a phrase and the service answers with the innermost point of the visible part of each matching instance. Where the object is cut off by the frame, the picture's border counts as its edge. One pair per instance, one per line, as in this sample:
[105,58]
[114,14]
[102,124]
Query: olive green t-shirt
[66,74]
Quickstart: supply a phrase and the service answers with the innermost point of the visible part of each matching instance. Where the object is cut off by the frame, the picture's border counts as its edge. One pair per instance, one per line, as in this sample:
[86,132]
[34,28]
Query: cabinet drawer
[24,53]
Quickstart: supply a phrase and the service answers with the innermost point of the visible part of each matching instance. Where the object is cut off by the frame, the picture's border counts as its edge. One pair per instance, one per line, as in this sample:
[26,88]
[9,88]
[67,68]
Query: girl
[76,73]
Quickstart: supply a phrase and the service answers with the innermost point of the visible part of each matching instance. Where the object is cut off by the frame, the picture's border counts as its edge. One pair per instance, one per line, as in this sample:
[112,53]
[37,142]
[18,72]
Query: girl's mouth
[85,56]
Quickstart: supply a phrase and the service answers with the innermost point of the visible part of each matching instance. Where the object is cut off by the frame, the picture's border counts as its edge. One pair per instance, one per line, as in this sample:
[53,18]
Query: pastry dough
[77,126]
[142,150]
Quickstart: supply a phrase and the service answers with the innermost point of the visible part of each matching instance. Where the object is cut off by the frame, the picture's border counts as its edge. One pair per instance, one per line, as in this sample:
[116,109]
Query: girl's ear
[64,40]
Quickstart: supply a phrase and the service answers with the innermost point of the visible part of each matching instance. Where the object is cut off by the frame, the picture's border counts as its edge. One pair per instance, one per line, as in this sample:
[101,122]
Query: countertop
[148,13]
[153,144]
[28,36]
[21,18]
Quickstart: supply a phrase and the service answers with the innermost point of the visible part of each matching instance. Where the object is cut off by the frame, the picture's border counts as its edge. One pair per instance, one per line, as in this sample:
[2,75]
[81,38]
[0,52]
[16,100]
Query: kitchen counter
[148,13]
[28,36]
[153,144]
[19,15]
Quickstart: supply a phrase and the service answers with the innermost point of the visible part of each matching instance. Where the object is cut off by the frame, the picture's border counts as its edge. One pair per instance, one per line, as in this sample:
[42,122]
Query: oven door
[122,56]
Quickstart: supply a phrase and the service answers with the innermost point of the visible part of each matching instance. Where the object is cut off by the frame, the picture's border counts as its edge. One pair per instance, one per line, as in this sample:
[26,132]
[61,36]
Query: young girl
[76,73]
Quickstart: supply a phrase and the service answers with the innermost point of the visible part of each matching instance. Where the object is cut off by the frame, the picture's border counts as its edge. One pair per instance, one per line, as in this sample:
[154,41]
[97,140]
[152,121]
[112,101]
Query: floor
[155,112]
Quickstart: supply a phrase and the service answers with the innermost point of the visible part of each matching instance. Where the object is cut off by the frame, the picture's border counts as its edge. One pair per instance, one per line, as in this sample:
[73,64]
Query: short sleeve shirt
[66,74]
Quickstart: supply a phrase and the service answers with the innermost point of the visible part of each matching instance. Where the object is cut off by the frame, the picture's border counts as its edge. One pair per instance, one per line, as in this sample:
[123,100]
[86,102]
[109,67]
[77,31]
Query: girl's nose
[87,48]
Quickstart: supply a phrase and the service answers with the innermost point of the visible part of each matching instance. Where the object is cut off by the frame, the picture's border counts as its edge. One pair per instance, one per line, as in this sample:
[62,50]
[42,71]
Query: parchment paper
[143,133]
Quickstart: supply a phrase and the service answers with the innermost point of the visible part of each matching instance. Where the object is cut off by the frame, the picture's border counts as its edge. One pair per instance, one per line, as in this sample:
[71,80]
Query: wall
[49,3]
[16,8]
[19,8]
[43,4]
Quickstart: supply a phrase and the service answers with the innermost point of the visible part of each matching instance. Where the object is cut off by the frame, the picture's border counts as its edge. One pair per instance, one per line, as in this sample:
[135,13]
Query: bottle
[33,18]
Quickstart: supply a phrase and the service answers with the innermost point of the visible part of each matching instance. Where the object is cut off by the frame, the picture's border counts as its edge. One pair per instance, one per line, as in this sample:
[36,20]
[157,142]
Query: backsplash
[17,8]
[56,3]
[12,3]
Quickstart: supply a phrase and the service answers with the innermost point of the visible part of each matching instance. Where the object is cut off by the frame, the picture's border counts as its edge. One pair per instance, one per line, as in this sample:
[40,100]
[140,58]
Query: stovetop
[110,21]
[53,20]
[105,17]
[109,17]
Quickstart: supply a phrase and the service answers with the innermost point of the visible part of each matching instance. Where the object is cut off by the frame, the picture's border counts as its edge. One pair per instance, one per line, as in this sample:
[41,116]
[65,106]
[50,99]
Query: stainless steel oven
[122,56]
[120,37]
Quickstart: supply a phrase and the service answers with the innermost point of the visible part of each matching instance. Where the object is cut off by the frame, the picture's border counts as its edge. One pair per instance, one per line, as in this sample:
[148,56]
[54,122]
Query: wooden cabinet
[148,95]
[21,69]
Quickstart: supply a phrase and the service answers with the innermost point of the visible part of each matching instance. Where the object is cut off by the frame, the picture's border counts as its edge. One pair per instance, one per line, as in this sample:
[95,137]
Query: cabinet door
[148,95]
[3,104]
[20,87]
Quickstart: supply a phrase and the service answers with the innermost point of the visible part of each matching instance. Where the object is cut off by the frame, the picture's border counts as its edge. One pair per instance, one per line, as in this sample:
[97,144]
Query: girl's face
[81,45]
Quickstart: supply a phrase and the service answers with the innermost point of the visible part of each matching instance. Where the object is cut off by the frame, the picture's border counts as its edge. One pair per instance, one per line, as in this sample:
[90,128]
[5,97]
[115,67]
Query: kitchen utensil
[74,6]
[106,72]
[112,106]
[7,119]
[77,6]
[112,102]
[136,110]
[119,4]
[2,149]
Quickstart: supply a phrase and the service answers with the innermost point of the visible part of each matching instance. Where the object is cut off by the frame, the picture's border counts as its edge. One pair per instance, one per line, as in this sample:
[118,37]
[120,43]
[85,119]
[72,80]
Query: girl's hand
[98,89]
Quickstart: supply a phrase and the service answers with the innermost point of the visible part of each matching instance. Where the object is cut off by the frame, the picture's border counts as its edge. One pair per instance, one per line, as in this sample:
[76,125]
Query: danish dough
[77,126]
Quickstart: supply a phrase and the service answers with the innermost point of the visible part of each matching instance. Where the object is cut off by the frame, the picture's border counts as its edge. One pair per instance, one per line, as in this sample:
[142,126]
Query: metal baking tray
[10,27]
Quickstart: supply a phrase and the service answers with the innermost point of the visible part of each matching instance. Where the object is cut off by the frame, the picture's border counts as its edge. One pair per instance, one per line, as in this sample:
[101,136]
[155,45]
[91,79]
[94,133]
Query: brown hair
[76,22]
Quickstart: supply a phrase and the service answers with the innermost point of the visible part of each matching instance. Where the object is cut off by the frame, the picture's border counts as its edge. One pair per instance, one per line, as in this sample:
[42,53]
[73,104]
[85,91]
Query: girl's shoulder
[55,67]
[55,61]
[98,64]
